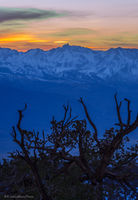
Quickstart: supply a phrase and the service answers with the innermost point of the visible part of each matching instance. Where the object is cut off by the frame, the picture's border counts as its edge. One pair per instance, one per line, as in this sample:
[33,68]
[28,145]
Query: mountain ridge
[115,63]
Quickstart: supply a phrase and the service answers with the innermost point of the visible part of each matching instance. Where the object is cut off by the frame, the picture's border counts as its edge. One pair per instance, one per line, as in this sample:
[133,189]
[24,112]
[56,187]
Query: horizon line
[67,44]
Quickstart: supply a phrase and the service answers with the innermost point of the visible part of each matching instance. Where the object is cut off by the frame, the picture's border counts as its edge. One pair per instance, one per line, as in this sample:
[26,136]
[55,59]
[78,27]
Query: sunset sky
[97,24]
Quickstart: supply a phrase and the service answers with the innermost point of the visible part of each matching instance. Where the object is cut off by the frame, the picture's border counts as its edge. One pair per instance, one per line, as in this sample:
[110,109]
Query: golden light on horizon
[22,38]
[60,42]
[16,38]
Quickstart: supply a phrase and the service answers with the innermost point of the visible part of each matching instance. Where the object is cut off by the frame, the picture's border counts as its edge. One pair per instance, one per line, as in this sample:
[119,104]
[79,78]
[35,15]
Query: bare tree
[99,159]
[25,140]
[107,149]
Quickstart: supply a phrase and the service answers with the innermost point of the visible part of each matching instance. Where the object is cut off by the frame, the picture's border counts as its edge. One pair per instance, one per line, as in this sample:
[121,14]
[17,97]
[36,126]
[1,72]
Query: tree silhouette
[91,166]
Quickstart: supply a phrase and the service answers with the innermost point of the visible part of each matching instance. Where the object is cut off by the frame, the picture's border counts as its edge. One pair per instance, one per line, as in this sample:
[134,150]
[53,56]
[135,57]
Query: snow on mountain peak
[115,62]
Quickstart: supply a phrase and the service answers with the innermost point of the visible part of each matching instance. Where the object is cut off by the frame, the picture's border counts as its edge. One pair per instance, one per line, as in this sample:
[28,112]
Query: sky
[46,24]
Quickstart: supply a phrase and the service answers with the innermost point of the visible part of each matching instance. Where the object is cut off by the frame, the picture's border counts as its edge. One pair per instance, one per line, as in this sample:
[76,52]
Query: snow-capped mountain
[70,61]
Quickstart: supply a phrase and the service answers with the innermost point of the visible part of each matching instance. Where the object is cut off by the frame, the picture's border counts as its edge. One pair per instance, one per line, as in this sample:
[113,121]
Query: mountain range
[71,62]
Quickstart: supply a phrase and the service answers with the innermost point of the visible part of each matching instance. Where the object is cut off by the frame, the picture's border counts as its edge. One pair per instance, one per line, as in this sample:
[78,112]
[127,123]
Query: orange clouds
[21,38]
[15,38]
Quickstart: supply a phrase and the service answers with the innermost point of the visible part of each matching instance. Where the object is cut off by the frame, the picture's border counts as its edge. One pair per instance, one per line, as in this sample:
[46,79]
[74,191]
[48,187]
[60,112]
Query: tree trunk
[98,191]
[39,183]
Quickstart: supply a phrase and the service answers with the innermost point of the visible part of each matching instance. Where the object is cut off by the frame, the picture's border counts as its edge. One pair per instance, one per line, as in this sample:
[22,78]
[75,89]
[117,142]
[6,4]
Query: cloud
[81,41]
[9,28]
[81,14]
[121,12]
[73,32]
[9,14]
[122,39]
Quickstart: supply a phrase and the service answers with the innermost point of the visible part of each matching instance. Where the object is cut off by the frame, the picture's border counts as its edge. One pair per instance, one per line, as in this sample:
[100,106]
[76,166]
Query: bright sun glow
[60,42]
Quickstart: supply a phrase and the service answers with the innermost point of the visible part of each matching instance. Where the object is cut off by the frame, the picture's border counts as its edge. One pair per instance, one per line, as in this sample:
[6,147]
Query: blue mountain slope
[112,64]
